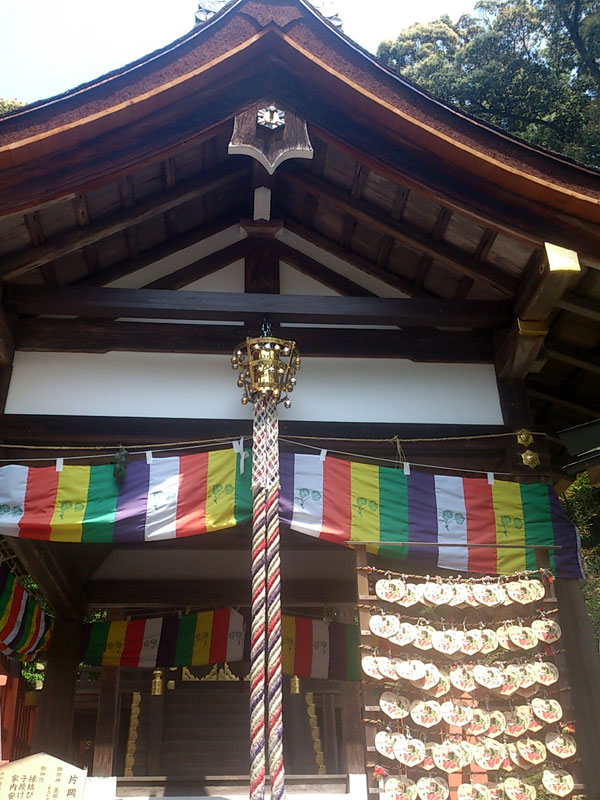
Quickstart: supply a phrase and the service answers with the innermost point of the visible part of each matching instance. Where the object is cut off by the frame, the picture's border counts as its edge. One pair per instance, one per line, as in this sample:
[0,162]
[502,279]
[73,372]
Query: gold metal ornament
[294,684]
[524,437]
[531,459]
[267,366]
[157,683]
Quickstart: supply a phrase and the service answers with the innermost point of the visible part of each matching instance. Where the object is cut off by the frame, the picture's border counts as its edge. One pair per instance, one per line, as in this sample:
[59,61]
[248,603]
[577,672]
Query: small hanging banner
[25,629]
[310,648]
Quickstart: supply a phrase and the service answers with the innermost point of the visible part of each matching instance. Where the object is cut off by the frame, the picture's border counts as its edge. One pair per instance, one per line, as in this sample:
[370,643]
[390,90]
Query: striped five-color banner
[165,499]
[25,629]
[440,519]
[209,637]
[310,648]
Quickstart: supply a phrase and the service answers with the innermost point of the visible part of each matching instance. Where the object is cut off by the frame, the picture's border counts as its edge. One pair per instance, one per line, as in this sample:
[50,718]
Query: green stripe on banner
[97,643]
[536,519]
[184,648]
[243,490]
[103,493]
[353,671]
[17,644]
[393,511]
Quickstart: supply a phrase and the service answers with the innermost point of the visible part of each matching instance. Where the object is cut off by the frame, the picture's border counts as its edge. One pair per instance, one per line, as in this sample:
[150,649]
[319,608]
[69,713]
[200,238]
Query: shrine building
[428,287]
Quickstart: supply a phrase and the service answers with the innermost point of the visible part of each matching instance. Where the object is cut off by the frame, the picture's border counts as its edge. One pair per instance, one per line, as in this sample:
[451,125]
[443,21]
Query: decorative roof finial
[207,9]
[328,8]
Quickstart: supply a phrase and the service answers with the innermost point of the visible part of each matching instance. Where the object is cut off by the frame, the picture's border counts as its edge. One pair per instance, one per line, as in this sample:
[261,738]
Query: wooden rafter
[102,336]
[355,259]
[573,356]
[447,254]
[563,401]
[158,252]
[17,264]
[201,267]
[441,223]
[317,271]
[162,304]
[583,306]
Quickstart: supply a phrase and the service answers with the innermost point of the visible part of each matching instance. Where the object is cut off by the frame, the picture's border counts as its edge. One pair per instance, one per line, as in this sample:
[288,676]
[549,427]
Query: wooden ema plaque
[41,777]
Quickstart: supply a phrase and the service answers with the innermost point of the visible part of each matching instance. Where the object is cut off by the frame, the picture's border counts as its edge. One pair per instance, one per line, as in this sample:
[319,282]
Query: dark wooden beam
[7,345]
[355,259]
[36,334]
[164,304]
[184,593]
[452,257]
[19,263]
[162,250]
[321,273]
[519,348]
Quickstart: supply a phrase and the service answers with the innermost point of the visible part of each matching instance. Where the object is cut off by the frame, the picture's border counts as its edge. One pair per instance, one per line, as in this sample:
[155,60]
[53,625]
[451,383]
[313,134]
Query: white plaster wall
[203,386]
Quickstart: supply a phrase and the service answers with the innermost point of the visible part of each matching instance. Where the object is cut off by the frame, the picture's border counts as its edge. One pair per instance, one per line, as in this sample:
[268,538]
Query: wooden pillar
[351,698]
[106,722]
[583,662]
[155,722]
[53,727]
[330,741]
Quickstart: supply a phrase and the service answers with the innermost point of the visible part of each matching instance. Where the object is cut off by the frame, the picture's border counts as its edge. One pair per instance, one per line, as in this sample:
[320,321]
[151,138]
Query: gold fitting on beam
[532,327]
[157,683]
[561,259]
[294,684]
[524,437]
[531,459]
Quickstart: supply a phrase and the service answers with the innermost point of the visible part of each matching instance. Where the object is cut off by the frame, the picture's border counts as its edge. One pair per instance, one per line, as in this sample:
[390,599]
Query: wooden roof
[419,199]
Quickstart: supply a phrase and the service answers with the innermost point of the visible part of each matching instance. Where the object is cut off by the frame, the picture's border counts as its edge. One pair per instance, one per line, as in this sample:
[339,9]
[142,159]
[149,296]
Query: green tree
[527,66]
[9,105]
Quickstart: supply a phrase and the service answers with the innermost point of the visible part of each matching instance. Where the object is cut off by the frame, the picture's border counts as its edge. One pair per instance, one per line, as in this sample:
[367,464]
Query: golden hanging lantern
[267,367]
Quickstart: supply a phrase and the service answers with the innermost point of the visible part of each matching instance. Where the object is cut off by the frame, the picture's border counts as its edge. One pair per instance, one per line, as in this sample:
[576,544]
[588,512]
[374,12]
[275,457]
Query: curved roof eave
[29,129]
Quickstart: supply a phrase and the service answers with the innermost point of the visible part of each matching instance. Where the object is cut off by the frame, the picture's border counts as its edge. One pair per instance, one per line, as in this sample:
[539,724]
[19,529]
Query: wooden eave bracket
[549,275]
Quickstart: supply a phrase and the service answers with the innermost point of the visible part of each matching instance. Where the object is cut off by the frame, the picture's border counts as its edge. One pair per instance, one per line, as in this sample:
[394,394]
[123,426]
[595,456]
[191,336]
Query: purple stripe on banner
[422,516]
[286,496]
[567,560]
[337,652]
[168,642]
[130,519]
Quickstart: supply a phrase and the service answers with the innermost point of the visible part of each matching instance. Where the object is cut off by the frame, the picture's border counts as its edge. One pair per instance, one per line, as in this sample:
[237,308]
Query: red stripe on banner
[191,499]
[303,647]
[219,635]
[134,640]
[15,607]
[337,498]
[481,524]
[40,499]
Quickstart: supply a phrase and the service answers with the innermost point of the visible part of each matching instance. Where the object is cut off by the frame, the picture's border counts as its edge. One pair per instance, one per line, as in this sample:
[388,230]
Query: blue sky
[49,46]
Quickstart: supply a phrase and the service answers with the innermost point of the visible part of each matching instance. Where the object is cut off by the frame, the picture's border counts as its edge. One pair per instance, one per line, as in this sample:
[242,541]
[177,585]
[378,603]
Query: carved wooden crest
[270,134]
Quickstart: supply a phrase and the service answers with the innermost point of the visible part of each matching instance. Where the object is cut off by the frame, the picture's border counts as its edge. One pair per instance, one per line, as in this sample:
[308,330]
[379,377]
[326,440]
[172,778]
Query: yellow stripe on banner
[364,489]
[220,492]
[202,637]
[510,528]
[115,643]
[71,502]
[288,644]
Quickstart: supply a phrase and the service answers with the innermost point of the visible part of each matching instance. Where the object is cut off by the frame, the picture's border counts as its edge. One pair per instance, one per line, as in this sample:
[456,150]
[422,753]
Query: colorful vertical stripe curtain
[310,648]
[455,523]
[451,522]
[25,628]
[166,499]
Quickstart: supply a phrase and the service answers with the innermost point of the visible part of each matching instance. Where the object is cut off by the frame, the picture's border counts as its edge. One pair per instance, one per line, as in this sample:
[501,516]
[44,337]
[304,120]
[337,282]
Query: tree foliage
[9,105]
[530,67]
